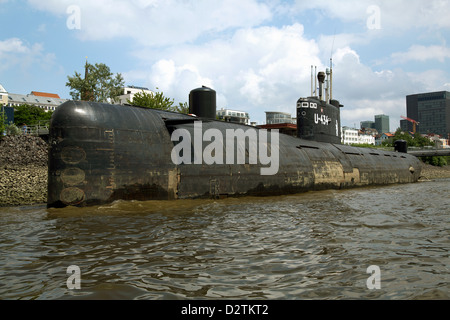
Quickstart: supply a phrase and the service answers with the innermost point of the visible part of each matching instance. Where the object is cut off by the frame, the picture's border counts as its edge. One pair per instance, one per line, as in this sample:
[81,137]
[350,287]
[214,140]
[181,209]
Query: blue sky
[257,55]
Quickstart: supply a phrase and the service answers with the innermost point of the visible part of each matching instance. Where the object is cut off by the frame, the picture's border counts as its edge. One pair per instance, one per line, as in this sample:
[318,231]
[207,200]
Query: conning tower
[318,116]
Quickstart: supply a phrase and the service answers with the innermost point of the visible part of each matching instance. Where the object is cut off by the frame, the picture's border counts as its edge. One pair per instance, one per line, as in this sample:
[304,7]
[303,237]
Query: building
[431,110]
[8,114]
[43,100]
[349,135]
[370,132]
[233,116]
[354,136]
[279,117]
[285,128]
[3,96]
[367,125]
[406,126]
[438,140]
[129,92]
[383,137]
[366,138]
[382,123]
[281,121]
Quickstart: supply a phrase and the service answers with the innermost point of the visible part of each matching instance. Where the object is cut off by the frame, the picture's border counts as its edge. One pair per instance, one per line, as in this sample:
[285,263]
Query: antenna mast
[331,79]
[331,66]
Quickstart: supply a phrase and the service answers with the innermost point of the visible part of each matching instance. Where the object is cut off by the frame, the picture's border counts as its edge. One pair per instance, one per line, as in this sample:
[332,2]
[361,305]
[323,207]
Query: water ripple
[311,246]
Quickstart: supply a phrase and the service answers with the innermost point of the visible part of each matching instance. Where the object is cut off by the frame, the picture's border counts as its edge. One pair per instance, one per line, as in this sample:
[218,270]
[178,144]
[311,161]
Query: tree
[157,100]
[30,115]
[182,108]
[152,100]
[413,141]
[99,84]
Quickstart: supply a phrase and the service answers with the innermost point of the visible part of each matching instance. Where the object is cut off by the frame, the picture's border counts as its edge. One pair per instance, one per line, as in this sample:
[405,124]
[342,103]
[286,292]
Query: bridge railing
[42,128]
[429,151]
[428,148]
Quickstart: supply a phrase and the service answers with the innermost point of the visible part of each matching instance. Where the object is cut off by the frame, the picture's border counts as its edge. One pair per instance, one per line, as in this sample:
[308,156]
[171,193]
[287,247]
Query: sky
[257,55]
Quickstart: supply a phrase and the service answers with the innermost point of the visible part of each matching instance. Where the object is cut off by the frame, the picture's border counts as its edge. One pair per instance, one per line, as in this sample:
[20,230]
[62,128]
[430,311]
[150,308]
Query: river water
[317,245]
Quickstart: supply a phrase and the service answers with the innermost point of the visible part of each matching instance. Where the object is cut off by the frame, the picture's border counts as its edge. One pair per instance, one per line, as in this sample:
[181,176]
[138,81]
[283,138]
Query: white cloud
[422,53]
[256,70]
[25,61]
[268,68]
[158,22]
[12,45]
[14,52]
[179,45]
[394,16]
[365,92]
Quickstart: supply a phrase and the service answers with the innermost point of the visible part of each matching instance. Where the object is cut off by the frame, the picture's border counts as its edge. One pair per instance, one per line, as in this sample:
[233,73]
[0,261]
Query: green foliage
[30,115]
[416,141]
[157,100]
[439,161]
[98,84]
[363,145]
[152,100]
[12,130]
[183,108]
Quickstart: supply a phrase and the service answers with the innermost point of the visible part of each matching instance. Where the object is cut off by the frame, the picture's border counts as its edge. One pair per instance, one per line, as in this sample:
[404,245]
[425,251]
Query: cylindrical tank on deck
[202,103]
[401,146]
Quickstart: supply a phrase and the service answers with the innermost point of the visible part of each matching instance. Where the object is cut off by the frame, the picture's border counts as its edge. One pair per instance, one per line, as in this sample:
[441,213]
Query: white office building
[355,136]
[235,116]
[129,93]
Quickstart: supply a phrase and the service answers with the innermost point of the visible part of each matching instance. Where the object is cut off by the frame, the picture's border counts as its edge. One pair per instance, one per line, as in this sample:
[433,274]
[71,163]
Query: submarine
[100,153]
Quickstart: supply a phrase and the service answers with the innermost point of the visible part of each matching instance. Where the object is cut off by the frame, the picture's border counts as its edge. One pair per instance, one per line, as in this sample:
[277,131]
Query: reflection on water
[316,245]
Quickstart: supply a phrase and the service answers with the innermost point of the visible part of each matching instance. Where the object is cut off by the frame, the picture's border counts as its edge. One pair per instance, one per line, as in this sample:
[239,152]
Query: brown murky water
[317,245]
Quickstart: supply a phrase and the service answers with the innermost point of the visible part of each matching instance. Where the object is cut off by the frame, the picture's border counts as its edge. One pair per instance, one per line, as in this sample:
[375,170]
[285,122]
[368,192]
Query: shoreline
[24,171]
[27,185]
[432,173]
[21,186]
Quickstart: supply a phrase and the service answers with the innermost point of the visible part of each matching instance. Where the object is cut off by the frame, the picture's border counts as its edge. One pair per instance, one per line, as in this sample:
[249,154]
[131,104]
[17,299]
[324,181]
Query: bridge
[429,152]
[423,152]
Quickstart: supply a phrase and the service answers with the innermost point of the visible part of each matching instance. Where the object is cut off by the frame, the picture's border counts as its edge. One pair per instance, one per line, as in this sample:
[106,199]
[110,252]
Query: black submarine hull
[100,153]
